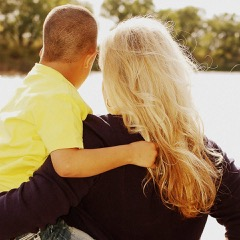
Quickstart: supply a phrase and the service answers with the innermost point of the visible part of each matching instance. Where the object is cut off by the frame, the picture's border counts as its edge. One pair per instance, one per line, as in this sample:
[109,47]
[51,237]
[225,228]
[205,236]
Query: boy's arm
[89,162]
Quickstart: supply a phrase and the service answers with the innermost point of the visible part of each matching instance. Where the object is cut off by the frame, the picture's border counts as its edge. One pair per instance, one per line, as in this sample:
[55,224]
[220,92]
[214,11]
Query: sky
[211,7]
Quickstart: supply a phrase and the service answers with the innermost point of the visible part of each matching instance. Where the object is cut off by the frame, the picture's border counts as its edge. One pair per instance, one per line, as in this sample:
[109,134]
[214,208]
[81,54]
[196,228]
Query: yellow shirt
[45,114]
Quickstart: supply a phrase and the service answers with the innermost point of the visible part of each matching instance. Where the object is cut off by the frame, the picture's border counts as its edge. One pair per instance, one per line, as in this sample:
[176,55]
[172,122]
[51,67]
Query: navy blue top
[112,205]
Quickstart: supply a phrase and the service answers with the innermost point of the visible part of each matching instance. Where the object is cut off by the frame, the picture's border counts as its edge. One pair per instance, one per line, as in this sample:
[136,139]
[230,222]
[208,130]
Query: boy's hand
[143,153]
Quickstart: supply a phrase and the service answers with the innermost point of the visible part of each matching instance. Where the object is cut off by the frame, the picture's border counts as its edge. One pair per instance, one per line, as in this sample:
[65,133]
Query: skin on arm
[73,162]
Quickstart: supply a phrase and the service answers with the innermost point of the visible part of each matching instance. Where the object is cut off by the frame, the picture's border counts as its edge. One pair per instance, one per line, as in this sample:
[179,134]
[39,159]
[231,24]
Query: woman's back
[116,206]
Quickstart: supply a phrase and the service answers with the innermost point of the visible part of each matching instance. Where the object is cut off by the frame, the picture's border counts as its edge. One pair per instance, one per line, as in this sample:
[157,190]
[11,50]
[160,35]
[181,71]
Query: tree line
[214,42]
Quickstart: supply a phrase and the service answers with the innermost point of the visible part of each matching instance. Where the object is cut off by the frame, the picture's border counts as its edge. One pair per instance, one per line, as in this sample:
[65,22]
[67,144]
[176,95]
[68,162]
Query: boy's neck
[69,70]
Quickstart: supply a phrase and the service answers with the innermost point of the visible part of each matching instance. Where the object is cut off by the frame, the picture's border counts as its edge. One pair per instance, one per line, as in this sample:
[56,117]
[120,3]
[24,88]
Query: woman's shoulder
[109,129]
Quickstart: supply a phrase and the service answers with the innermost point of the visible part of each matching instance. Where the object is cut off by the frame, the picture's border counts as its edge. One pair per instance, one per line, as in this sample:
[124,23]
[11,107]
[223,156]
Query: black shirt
[112,205]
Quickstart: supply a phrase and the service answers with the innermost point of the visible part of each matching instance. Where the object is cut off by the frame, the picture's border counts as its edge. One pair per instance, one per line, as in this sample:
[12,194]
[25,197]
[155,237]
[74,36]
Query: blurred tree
[223,33]
[187,25]
[214,43]
[120,10]
[21,30]
[22,21]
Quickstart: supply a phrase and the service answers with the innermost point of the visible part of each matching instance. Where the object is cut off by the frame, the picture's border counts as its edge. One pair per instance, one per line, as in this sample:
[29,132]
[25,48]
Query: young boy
[45,115]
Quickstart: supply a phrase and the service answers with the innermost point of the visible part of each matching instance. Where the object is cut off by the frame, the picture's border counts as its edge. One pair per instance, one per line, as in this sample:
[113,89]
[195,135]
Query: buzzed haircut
[68,31]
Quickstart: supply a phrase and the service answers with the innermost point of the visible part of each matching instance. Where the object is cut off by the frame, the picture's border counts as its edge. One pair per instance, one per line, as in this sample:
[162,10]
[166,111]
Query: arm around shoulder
[73,162]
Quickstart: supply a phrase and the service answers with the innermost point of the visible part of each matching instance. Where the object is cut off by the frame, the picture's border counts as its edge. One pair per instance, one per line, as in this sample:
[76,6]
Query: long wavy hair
[146,79]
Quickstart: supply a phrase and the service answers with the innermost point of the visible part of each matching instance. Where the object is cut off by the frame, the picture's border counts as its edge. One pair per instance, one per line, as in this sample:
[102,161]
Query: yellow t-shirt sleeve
[59,122]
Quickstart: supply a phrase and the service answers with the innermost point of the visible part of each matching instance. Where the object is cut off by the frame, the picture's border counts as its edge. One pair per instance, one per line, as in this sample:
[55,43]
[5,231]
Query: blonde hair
[147,80]
[68,31]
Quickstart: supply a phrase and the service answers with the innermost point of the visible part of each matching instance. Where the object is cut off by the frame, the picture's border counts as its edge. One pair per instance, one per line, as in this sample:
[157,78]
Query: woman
[146,80]
[146,88]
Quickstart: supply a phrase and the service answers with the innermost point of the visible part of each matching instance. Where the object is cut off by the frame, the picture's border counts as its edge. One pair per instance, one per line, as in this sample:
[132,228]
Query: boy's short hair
[68,32]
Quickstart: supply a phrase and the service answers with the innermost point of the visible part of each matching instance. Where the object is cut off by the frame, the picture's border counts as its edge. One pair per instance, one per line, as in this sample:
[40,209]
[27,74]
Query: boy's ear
[90,59]
[41,52]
